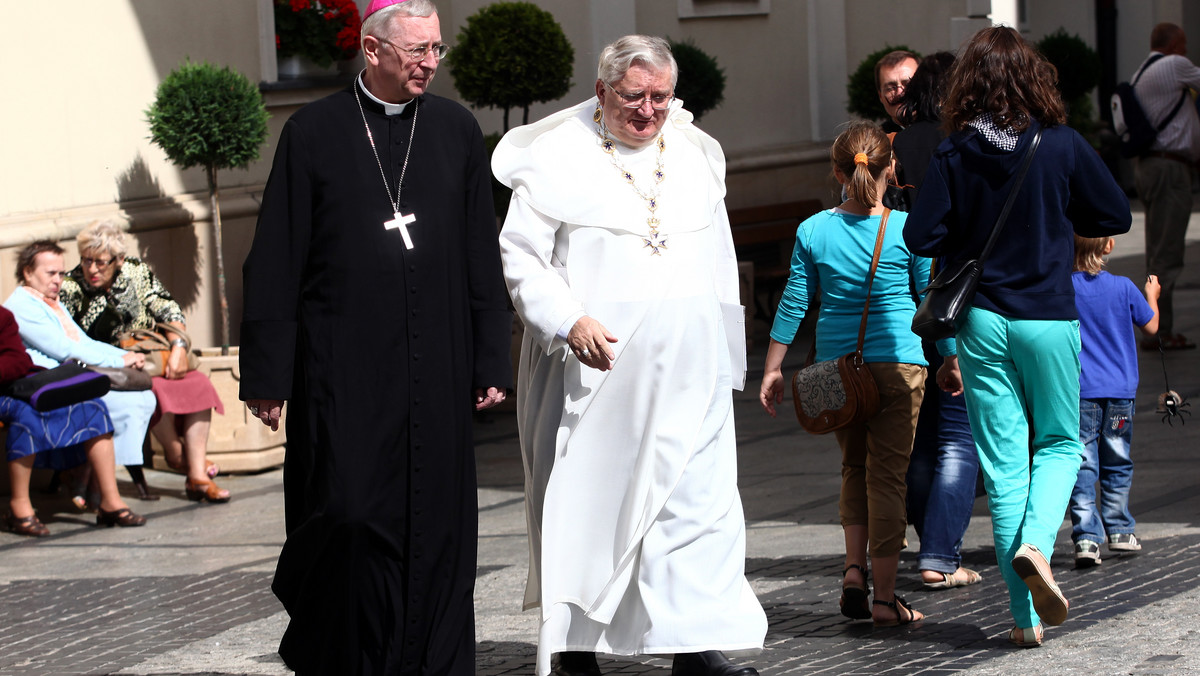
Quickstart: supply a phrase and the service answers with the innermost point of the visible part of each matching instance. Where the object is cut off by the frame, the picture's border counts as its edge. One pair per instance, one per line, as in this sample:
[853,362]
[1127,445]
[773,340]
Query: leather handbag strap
[1012,197]
[163,328]
[862,324]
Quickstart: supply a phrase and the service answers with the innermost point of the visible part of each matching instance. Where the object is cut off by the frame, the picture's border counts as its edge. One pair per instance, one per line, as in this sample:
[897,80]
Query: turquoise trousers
[1021,381]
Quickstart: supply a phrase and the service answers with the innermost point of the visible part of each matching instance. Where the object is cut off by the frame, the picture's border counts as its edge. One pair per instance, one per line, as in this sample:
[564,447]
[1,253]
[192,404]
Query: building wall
[75,144]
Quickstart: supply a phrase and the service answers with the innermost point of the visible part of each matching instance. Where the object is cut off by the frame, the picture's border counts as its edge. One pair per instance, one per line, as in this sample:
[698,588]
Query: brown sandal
[124,517]
[206,491]
[29,526]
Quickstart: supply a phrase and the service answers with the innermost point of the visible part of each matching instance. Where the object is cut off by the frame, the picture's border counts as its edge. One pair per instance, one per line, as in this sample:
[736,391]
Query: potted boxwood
[701,84]
[511,55]
[496,65]
[1078,68]
[214,118]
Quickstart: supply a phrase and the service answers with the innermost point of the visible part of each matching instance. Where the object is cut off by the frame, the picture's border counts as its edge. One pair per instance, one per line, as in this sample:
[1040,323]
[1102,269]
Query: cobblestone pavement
[189,593]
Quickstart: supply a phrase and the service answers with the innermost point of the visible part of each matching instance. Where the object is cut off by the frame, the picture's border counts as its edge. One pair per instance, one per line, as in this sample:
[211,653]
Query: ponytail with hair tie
[861,158]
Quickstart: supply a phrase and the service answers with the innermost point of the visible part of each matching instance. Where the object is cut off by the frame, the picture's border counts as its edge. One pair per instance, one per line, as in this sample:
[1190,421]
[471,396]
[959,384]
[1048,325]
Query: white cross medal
[400,222]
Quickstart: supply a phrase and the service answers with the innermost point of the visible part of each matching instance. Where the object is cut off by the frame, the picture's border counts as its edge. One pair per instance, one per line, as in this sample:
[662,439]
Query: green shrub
[501,194]
[701,81]
[1078,74]
[214,118]
[861,93]
[511,55]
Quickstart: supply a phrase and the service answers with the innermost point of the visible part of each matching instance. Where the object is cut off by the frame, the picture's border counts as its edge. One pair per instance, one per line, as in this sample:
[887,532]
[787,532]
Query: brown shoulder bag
[833,394]
[157,348]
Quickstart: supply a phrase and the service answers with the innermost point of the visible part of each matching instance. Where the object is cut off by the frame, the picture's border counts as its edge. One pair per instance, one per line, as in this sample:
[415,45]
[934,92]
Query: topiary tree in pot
[861,93]
[214,118]
[701,84]
[511,55]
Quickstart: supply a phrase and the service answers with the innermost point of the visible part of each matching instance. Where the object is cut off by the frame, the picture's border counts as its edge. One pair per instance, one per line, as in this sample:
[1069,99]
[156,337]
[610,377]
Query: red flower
[321,30]
[347,38]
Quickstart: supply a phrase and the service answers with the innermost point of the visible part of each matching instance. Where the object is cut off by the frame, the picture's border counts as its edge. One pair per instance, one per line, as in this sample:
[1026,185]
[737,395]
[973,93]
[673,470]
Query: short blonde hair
[101,237]
[1089,254]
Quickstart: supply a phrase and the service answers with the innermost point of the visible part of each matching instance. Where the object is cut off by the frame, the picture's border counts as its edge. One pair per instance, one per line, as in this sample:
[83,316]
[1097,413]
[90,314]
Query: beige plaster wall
[75,141]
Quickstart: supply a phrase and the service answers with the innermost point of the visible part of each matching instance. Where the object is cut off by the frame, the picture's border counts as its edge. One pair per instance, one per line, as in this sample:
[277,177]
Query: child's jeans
[1105,430]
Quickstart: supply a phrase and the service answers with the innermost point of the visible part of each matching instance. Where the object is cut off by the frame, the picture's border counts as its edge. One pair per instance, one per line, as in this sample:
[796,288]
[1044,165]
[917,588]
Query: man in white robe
[619,260]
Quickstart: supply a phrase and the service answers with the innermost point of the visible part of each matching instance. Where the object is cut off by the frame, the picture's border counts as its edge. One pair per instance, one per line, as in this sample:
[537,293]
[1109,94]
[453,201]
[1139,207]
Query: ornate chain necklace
[399,222]
[655,242]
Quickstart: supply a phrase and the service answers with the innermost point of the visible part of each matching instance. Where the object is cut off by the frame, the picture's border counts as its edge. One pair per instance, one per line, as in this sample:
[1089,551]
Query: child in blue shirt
[1109,307]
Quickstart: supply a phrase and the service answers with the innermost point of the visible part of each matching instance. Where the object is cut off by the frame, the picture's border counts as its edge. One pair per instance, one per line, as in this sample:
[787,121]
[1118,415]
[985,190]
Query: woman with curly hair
[1018,345]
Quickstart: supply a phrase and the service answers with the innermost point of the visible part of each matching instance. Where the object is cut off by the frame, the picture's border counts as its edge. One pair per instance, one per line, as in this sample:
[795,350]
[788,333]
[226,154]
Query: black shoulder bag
[949,295]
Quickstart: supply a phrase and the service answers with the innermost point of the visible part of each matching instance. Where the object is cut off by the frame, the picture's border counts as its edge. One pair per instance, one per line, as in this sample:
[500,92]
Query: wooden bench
[764,236]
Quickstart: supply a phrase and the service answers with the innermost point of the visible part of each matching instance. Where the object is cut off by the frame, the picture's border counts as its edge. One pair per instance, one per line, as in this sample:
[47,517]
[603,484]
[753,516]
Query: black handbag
[949,295]
[65,384]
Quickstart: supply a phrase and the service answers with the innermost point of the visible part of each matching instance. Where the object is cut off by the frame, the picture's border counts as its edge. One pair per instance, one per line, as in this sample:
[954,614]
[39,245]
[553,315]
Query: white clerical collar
[388,108]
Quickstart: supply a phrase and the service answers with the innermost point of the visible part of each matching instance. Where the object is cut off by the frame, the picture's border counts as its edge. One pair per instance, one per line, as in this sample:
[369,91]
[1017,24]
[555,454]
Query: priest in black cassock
[375,306]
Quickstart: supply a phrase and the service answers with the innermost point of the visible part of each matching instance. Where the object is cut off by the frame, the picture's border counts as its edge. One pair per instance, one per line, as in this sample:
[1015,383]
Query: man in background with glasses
[375,306]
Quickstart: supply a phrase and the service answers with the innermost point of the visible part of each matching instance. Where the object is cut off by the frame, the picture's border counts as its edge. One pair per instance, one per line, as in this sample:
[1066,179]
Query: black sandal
[854,599]
[896,605]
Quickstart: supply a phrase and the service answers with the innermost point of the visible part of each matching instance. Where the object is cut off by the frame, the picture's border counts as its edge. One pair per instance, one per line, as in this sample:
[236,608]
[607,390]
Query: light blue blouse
[45,339]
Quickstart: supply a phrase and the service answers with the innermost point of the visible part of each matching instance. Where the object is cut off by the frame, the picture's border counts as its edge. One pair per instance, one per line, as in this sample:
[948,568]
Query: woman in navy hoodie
[1018,346]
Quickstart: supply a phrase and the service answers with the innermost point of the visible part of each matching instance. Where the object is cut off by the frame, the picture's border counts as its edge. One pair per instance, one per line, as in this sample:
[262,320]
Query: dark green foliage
[511,55]
[215,118]
[1078,64]
[1078,74]
[208,116]
[701,82]
[501,194]
[861,92]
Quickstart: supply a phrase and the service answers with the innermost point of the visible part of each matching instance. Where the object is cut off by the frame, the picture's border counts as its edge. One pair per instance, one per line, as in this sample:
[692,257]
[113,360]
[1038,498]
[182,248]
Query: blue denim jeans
[942,473]
[1105,430]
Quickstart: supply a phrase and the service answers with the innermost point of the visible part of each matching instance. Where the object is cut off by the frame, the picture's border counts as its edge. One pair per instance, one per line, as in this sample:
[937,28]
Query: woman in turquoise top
[833,257]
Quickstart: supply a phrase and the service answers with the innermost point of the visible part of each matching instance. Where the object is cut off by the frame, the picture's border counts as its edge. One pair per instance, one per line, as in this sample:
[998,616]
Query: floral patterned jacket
[136,300]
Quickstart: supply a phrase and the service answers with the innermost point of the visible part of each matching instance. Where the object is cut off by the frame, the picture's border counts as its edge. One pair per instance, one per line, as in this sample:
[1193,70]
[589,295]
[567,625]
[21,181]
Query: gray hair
[101,237]
[378,23]
[651,52]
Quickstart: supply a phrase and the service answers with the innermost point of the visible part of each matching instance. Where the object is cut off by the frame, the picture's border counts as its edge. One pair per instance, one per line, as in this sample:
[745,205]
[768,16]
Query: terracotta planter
[236,441]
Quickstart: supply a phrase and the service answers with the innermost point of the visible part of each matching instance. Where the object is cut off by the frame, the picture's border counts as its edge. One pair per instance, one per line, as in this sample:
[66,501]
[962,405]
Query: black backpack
[1133,128]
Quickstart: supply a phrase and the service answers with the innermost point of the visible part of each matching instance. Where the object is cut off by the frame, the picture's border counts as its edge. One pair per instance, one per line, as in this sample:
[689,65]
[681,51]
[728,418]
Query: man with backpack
[1163,173]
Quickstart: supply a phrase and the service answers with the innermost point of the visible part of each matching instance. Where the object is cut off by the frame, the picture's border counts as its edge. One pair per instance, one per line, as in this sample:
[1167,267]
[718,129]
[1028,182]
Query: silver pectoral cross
[401,222]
